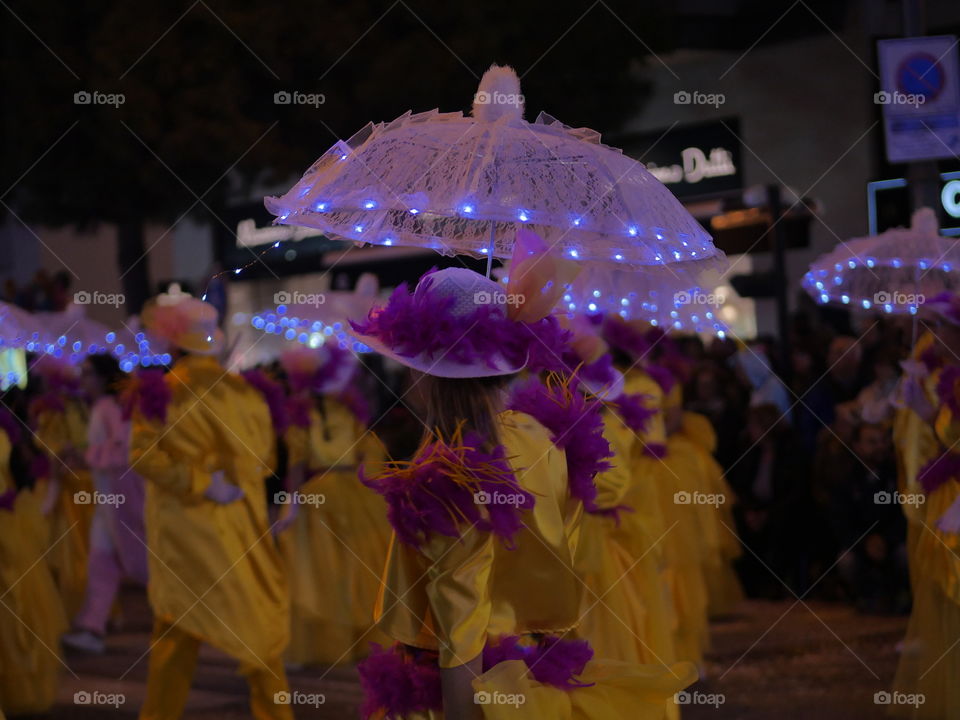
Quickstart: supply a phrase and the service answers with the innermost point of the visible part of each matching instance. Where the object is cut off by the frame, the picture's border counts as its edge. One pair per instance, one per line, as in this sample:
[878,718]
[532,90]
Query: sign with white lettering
[888,204]
[692,160]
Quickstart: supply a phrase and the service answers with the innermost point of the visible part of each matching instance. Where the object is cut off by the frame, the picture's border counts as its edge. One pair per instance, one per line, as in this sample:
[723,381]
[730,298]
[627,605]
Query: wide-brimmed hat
[453,325]
[183,321]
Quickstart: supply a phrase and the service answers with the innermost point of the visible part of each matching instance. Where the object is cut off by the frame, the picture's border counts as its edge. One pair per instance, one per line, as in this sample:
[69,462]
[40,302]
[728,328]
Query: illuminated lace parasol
[892,272]
[460,184]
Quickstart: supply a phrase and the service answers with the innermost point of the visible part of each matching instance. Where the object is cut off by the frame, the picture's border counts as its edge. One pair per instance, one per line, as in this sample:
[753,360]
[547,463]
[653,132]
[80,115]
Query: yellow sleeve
[613,484]
[458,590]
[149,458]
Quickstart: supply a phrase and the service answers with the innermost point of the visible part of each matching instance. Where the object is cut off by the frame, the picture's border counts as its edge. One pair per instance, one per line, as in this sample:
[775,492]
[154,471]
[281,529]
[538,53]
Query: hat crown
[470,290]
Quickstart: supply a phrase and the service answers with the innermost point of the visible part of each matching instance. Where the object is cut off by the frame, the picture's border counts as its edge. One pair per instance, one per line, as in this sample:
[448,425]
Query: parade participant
[117,539]
[58,416]
[203,440]
[724,592]
[930,660]
[480,582]
[615,557]
[31,611]
[336,546]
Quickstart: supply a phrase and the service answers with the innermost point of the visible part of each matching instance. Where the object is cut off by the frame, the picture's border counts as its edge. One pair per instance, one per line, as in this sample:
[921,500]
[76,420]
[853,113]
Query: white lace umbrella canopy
[460,184]
[893,272]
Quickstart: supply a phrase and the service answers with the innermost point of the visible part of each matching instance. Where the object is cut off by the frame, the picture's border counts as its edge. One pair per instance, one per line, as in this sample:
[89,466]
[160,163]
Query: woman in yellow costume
[926,683]
[59,417]
[626,613]
[337,541]
[480,588]
[203,440]
[663,478]
[722,547]
[31,611]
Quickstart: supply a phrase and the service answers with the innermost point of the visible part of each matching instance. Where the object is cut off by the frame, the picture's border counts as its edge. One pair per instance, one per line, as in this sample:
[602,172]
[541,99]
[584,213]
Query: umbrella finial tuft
[498,95]
[925,222]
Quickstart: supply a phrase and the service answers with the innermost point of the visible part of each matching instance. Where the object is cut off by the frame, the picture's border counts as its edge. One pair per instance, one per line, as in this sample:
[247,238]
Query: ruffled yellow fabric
[32,616]
[619,622]
[450,594]
[335,551]
[720,543]
[214,569]
[57,432]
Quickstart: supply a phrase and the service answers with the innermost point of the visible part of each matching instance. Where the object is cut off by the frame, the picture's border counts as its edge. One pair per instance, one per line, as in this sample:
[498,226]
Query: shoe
[84,641]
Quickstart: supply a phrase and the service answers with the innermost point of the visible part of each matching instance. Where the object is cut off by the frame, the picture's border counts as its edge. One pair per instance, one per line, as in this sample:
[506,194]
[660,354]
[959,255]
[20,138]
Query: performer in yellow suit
[59,418]
[31,611]
[930,660]
[721,545]
[336,547]
[480,590]
[202,438]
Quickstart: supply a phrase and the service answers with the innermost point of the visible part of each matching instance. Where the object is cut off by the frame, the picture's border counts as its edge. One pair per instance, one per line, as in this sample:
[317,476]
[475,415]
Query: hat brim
[441,367]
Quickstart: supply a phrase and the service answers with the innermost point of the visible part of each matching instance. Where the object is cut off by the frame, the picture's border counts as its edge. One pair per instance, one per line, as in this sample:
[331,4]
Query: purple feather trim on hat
[634,412]
[947,388]
[620,335]
[552,661]
[10,425]
[422,323]
[447,488]
[398,683]
[938,471]
[148,393]
[576,426]
[273,394]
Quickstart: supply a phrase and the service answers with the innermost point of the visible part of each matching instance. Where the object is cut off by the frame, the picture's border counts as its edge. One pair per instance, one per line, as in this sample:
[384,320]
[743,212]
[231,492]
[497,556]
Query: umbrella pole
[490,248]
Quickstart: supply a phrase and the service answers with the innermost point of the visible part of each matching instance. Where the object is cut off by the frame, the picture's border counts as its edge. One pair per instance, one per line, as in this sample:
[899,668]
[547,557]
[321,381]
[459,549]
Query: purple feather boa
[663,377]
[634,412]
[947,388]
[273,394]
[622,336]
[10,425]
[449,486]
[552,661]
[576,426]
[422,323]
[148,393]
[399,682]
[938,471]
[655,450]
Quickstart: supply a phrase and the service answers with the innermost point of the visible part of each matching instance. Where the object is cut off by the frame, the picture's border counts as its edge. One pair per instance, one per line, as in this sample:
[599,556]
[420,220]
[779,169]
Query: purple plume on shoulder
[397,683]
[662,376]
[947,388]
[548,343]
[148,393]
[600,371]
[552,660]
[634,412]
[273,394]
[575,423]
[656,450]
[622,336]
[938,471]
[450,486]
[10,425]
